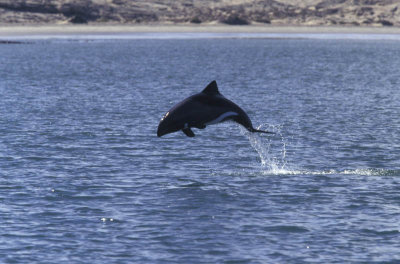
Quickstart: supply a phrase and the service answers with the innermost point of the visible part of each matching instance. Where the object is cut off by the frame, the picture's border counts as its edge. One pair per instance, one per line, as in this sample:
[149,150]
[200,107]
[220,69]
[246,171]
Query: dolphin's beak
[160,133]
[163,128]
[166,127]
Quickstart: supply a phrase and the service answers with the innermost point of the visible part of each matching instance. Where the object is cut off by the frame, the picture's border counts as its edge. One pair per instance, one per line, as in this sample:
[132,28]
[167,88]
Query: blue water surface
[85,179]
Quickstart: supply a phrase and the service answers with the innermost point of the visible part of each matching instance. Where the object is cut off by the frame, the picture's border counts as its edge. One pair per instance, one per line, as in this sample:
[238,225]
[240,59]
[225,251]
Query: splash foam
[272,152]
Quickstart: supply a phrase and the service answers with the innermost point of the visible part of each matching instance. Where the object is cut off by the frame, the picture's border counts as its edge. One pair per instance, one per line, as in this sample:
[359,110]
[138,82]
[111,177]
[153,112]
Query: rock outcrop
[234,12]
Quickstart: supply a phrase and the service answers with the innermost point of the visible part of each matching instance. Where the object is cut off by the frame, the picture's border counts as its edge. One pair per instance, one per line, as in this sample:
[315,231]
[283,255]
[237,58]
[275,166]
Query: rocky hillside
[276,12]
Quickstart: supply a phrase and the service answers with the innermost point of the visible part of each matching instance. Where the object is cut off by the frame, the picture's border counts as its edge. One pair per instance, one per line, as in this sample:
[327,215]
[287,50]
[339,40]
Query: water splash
[271,149]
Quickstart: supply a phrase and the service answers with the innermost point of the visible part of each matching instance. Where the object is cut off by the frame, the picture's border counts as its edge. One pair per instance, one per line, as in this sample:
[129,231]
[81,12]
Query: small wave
[393,232]
[286,229]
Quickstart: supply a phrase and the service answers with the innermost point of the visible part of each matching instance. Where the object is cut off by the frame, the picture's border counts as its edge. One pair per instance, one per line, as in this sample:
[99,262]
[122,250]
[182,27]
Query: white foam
[363,172]
[272,156]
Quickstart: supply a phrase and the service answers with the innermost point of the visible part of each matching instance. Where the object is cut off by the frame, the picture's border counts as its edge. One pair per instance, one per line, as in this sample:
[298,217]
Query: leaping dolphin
[200,110]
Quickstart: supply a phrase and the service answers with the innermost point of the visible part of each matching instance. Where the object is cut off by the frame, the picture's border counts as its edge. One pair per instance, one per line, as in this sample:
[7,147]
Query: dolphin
[203,109]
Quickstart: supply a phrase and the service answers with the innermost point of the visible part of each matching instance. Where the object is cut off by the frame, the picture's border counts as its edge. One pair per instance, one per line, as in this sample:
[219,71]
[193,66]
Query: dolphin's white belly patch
[221,117]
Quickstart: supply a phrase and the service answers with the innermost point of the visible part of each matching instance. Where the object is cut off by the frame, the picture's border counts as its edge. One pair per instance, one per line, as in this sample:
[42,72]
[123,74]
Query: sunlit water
[84,178]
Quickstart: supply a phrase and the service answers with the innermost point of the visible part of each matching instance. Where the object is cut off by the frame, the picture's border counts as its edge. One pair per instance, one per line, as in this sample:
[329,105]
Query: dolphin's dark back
[215,98]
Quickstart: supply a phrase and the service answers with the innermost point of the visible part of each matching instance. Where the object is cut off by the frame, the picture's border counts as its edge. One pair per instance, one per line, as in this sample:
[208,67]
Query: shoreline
[110,29]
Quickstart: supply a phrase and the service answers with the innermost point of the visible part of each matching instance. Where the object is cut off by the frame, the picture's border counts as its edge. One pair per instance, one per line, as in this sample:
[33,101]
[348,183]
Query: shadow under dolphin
[200,110]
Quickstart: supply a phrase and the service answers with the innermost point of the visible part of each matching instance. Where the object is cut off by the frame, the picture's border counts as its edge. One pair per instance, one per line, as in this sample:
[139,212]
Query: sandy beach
[107,29]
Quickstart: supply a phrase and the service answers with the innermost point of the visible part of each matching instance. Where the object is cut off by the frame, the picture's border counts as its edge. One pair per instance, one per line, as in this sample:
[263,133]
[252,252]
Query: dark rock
[29,7]
[118,2]
[78,19]
[367,2]
[80,13]
[235,20]
[386,23]
[331,11]
[365,11]
[195,20]
[263,20]
[368,21]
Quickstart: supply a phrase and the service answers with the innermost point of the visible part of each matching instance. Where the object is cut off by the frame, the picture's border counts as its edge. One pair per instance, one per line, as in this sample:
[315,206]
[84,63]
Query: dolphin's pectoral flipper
[188,132]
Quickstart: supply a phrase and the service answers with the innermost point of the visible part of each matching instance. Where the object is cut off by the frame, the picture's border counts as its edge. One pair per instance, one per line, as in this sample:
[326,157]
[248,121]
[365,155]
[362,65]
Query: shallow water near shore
[83,176]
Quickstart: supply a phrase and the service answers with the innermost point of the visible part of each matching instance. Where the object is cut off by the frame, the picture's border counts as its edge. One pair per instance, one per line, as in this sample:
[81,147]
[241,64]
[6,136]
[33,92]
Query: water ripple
[84,178]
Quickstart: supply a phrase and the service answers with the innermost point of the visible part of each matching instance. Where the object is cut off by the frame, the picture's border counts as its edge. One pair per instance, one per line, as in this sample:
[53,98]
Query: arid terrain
[233,12]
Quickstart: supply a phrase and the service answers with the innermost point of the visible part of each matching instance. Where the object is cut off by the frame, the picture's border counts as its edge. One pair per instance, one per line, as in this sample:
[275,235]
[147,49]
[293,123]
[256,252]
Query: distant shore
[109,29]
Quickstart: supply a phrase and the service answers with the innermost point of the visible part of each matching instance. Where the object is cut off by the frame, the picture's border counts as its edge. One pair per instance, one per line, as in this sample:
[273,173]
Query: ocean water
[84,178]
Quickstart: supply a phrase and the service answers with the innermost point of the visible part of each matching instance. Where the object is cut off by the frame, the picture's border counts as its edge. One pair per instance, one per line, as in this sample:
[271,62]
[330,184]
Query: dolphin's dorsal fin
[211,89]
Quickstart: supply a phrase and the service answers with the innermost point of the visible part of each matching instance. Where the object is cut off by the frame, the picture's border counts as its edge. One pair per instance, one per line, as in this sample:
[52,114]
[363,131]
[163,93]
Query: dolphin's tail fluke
[260,131]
